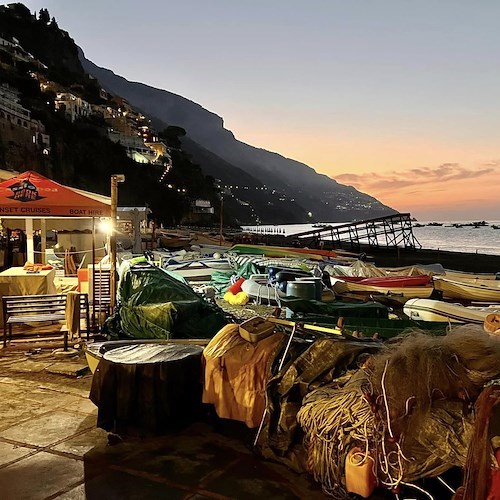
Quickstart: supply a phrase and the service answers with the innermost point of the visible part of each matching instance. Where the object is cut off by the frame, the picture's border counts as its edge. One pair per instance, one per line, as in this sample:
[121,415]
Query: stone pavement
[50,447]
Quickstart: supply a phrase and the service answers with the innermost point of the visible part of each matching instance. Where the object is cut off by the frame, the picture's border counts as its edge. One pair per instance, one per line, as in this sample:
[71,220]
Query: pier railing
[390,231]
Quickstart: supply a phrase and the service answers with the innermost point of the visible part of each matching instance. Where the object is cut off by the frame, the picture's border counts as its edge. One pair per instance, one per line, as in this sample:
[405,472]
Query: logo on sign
[25,191]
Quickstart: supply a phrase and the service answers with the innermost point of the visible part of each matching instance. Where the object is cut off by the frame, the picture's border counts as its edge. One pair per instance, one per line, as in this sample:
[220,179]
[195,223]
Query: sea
[483,239]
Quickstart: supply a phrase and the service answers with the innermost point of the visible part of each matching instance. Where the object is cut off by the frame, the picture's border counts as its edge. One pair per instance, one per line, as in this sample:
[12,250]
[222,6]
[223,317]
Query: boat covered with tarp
[151,303]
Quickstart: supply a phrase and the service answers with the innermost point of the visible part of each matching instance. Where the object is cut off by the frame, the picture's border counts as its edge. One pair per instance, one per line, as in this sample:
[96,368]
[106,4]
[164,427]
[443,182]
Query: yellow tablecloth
[16,281]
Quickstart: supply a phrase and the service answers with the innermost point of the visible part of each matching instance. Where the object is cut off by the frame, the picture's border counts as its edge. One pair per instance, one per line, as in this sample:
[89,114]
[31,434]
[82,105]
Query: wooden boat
[95,351]
[473,290]
[340,286]
[437,310]
[390,281]
[465,276]
[173,240]
[272,251]
[199,270]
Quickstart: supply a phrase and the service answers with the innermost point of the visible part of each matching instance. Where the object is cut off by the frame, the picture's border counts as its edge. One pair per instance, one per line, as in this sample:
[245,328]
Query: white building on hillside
[74,107]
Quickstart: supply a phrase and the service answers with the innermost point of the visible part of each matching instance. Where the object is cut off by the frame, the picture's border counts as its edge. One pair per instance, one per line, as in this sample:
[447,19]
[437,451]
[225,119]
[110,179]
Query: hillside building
[73,107]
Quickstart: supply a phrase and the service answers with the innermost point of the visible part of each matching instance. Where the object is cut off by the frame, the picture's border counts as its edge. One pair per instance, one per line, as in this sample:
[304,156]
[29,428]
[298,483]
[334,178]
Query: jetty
[390,231]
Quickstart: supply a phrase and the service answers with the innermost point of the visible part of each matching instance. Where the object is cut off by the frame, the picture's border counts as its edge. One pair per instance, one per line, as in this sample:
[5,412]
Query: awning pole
[30,250]
[115,179]
[93,275]
[43,231]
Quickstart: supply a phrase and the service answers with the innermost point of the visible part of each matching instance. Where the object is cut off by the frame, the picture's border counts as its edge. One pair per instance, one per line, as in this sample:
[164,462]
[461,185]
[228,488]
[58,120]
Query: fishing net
[407,410]
[419,369]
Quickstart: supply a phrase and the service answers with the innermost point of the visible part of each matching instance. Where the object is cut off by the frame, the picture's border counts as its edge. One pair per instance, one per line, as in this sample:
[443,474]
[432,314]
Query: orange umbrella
[32,195]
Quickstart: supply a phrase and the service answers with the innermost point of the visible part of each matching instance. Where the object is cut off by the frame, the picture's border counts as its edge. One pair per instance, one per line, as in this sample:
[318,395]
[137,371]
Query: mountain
[291,180]
[44,75]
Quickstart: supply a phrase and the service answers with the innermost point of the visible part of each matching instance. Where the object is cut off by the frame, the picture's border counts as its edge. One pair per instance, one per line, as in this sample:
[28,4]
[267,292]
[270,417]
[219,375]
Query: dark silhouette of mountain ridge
[325,198]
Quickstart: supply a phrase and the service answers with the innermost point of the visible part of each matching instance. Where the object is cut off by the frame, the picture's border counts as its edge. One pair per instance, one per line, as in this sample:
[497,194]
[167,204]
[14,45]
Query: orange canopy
[32,195]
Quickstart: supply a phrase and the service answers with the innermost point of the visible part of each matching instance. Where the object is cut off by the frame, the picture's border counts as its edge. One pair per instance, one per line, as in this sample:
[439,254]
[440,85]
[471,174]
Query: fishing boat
[198,270]
[474,290]
[173,240]
[438,310]
[273,251]
[94,352]
[465,276]
[342,286]
[382,328]
[390,281]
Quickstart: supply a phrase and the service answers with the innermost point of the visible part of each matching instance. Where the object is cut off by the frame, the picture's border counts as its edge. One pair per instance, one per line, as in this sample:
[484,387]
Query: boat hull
[342,287]
[473,290]
[437,310]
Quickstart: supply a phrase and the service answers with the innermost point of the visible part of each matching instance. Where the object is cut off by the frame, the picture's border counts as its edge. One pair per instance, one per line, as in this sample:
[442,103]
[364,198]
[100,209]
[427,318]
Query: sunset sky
[399,99]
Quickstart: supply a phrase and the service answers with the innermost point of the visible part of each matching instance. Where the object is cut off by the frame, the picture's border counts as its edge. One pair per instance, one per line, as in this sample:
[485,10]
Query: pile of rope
[335,420]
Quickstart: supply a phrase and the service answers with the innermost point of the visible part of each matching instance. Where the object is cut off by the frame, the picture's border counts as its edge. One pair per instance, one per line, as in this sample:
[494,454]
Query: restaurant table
[21,282]
[17,281]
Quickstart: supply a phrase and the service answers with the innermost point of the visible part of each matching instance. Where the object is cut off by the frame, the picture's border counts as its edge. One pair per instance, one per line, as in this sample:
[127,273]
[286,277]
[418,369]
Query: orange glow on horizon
[401,172]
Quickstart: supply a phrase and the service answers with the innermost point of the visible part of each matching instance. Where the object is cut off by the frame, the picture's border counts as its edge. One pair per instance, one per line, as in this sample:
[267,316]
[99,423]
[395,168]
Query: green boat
[384,328]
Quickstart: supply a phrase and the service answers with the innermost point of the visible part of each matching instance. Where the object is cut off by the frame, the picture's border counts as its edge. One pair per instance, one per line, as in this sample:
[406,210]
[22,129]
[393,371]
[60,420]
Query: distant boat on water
[435,224]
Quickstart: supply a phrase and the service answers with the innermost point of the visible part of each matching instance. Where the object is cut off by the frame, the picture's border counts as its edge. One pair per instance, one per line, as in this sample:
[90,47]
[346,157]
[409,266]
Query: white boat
[198,270]
[472,290]
[437,310]
[207,250]
[257,287]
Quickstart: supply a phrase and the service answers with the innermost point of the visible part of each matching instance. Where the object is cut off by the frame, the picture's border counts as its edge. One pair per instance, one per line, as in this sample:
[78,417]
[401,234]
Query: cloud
[417,178]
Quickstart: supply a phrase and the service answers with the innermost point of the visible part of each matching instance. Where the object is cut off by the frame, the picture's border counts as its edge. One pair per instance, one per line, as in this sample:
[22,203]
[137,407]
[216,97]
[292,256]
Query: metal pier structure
[391,231]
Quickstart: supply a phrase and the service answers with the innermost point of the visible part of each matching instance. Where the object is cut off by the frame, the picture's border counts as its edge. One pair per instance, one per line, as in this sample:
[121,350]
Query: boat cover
[153,304]
[335,309]
[147,387]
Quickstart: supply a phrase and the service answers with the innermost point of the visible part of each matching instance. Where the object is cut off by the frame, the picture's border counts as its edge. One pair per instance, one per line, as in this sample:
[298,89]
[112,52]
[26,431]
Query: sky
[397,98]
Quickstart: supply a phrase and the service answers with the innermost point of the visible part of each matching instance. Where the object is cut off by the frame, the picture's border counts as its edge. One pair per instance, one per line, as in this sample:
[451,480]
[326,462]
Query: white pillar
[30,257]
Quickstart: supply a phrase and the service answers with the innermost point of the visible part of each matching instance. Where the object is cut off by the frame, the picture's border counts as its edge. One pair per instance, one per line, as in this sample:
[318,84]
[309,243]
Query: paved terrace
[50,446]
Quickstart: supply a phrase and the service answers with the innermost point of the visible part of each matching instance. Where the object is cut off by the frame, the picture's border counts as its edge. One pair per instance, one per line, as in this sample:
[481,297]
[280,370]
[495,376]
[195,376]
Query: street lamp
[115,179]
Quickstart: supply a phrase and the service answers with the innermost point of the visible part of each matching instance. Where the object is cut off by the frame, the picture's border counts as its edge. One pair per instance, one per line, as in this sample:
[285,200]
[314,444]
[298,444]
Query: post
[93,278]
[43,234]
[221,219]
[115,179]
[136,222]
[30,250]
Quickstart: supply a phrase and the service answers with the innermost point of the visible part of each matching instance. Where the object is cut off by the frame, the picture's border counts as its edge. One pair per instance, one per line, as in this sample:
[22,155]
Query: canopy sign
[33,195]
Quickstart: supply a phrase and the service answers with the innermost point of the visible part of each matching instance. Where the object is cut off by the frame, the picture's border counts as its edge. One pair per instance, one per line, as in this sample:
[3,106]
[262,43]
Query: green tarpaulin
[153,304]
[336,309]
